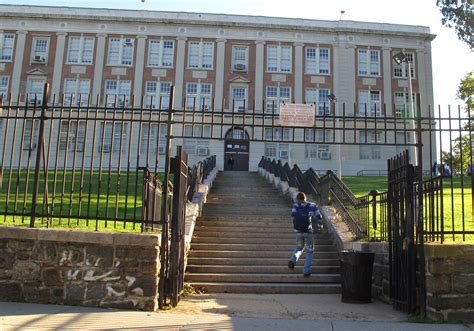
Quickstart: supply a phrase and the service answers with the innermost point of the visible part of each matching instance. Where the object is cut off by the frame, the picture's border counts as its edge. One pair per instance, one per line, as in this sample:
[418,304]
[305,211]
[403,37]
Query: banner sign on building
[294,114]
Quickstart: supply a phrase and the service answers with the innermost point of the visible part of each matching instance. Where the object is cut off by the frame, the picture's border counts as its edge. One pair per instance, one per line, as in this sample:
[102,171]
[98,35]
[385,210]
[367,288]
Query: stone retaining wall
[117,270]
[450,282]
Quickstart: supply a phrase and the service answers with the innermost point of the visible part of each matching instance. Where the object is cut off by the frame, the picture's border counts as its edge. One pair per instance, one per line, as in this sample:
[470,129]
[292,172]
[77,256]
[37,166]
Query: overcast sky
[452,58]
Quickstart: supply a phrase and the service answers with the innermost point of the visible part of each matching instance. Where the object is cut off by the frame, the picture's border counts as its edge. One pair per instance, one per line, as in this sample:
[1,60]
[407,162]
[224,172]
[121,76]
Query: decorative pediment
[37,72]
[240,80]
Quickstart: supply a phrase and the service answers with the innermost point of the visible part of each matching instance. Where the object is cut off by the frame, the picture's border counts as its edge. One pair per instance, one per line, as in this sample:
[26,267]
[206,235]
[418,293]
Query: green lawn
[89,200]
[456,201]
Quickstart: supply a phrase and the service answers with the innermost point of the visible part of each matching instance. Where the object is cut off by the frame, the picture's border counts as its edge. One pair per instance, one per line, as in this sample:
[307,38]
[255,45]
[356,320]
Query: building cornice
[204,19]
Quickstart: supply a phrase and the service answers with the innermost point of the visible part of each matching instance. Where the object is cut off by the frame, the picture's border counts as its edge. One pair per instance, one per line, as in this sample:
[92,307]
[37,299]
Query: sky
[452,59]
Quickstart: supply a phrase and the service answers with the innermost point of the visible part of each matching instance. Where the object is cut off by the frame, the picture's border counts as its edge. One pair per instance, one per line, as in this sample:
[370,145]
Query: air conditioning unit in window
[240,66]
[325,155]
[204,151]
[162,149]
[283,154]
[39,59]
[240,109]
[128,42]
[106,148]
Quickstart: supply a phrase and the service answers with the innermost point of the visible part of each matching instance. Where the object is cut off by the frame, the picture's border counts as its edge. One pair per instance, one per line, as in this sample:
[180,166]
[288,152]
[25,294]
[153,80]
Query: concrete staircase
[243,240]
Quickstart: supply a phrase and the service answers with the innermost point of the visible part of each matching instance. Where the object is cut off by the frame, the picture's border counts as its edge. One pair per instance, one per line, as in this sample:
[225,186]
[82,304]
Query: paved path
[224,312]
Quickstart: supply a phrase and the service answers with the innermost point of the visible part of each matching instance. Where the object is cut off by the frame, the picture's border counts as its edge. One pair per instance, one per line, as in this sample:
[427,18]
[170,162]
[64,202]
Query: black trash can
[356,276]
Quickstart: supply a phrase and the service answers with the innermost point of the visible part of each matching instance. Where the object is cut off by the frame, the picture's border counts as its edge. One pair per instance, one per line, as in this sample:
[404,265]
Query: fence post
[40,146]
[374,194]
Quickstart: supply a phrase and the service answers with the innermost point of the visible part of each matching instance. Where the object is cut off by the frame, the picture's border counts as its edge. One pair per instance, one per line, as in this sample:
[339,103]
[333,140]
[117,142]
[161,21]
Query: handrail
[198,173]
[362,214]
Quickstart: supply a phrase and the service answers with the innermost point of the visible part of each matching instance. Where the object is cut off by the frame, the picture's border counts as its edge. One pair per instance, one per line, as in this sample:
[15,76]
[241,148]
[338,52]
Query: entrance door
[236,146]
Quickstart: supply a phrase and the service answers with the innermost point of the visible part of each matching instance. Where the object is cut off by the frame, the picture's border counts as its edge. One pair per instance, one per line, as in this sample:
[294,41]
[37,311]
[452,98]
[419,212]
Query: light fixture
[400,57]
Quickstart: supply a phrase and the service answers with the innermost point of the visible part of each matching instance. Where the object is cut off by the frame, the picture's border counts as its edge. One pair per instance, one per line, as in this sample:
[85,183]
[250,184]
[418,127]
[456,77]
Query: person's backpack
[302,218]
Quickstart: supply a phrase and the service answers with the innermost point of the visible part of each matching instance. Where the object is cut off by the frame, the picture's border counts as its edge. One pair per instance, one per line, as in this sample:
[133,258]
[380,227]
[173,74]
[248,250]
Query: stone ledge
[11,232]
[449,251]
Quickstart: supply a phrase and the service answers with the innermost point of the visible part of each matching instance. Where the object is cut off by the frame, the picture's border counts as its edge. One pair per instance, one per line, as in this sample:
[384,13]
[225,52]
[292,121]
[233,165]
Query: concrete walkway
[224,312]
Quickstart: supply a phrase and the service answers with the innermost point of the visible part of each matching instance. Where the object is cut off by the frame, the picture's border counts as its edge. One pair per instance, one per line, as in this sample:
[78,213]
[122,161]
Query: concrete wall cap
[10,232]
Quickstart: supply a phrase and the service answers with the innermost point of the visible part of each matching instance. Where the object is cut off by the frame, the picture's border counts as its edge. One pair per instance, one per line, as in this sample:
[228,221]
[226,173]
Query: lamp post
[332,98]
[399,58]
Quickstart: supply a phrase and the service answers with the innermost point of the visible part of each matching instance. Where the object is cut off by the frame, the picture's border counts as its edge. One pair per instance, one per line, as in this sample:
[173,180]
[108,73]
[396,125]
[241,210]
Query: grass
[456,202]
[85,201]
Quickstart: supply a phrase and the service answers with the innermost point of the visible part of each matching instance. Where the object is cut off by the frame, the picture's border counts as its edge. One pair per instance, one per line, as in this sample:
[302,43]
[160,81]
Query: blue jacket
[313,212]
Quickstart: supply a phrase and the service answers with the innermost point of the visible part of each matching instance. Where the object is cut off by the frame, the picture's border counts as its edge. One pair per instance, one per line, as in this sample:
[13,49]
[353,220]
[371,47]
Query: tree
[453,158]
[466,90]
[460,15]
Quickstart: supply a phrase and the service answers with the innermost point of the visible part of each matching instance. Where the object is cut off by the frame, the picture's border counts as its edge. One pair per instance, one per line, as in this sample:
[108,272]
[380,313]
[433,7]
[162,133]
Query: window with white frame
[153,138]
[240,58]
[121,51]
[275,96]
[283,151]
[277,134]
[368,151]
[402,139]
[107,143]
[40,49]
[189,146]
[324,136]
[157,95]
[369,62]
[320,98]
[80,50]
[239,98]
[311,151]
[270,150]
[188,130]
[317,61]
[202,131]
[160,53]
[76,91]
[369,103]
[278,58]
[402,104]
[34,89]
[6,47]
[200,54]
[72,137]
[401,70]
[30,135]
[4,80]
[117,92]
[198,96]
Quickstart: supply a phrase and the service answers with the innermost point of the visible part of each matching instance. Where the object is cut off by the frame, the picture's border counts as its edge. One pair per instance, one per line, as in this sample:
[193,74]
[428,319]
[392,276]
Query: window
[35,87]
[29,140]
[6,47]
[317,61]
[320,98]
[278,58]
[401,70]
[270,150]
[199,132]
[75,91]
[370,152]
[160,53]
[369,103]
[39,53]
[275,96]
[157,95]
[106,144]
[74,141]
[277,134]
[153,137]
[4,80]
[121,51]
[188,130]
[402,139]
[80,50]
[117,92]
[369,62]
[200,55]
[198,96]
[239,98]
[189,146]
[240,57]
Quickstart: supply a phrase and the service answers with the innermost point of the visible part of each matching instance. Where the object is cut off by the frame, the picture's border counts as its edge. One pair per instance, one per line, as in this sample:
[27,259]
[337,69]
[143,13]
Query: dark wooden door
[239,150]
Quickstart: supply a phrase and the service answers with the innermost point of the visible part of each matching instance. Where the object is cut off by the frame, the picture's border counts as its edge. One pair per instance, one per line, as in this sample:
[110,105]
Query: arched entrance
[236,145]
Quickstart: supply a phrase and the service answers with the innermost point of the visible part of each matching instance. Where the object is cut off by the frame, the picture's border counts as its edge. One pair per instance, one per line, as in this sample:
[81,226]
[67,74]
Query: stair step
[254,247]
[262,278]
[259,269]
[237,261]
[204,231]
[267,288]
[268,240]
[226,254]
